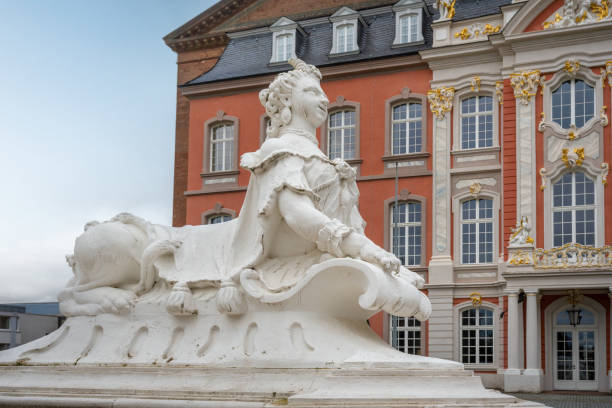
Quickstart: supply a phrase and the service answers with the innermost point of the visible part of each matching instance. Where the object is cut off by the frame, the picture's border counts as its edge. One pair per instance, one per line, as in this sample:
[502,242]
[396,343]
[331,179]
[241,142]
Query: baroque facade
[492,117]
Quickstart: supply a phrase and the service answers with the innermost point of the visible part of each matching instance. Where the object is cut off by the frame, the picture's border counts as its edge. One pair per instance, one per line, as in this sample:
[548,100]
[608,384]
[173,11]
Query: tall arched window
[406,232]
[573,102]
[407,128]
[405,334]
[341,135]
[477,338]
[573,209]
[222,147]
[476,122]
[477,231]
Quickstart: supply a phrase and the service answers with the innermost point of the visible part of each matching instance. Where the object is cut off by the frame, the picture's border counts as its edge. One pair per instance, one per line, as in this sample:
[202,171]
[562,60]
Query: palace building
[480,135]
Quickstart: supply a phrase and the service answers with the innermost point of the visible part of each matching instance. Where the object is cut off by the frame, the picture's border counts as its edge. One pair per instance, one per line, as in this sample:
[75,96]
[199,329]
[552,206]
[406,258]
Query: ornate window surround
[404,8]
[552,175]
[284,26]
[218,210]
[460,95]
[407,163]
[497,335]
[405,196]
[585,74]
[457,200]
[341,104]
[345,16]
[216,178]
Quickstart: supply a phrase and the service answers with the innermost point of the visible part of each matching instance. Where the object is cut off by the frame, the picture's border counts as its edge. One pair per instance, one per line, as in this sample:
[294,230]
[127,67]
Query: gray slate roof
[249,56]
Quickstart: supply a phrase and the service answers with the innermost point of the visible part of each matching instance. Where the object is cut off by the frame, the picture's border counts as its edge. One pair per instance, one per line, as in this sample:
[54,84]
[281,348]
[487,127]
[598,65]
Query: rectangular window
[345,38]
[573,213]
[341,141]
[5,322]
[476,122]
[408,28]
[406,232]
[477,231]
[405,334]
[222,148]
[477,336]
[407,128]
[284,47]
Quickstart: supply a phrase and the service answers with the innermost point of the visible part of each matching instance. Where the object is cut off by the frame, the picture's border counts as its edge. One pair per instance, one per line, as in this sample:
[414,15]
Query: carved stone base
[301,359]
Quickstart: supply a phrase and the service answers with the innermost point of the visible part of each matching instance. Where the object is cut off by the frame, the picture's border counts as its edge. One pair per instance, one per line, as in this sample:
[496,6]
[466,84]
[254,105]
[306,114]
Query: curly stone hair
[277,97]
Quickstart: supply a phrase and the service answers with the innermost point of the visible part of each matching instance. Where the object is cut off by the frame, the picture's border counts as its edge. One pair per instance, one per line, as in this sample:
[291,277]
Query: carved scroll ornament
[441,101]
[525,85]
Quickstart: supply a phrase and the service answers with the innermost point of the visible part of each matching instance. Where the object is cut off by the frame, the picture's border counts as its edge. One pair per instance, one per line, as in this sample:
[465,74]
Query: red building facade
[491,116]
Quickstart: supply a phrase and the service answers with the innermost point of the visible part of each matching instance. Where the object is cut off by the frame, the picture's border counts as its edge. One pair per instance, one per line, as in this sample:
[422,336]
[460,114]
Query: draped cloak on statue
[259,239]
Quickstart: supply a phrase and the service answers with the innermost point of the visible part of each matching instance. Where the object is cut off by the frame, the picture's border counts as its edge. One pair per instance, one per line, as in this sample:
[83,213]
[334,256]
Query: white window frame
[477,114]
[477,328]
[343,128]
[408,120]
[406,225]
[406,328]
[345,17]
[572,82]
[283,26]
[225,166]
[552,175]
[457,238]
[465,92]
[406,8]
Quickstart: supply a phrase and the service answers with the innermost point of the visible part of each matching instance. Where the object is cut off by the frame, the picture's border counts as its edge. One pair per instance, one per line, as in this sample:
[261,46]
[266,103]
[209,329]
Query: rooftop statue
[300,212]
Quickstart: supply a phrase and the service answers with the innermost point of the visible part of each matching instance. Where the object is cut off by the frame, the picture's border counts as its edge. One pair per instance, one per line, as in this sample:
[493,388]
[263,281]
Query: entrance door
[575,365]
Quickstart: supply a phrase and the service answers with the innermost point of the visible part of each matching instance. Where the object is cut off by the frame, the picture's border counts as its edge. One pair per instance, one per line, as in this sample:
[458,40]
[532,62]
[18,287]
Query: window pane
[406,232]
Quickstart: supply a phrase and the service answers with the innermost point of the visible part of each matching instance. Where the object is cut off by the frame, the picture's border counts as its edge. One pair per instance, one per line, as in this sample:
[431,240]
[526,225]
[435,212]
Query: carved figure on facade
[573,255]
[576,12]
[475,83]
[446,9]
[572,157]
[572,67]
[499,91]
[525,85]
[520,234]
[300,211]
[606,74]
[521,257]
[441,101]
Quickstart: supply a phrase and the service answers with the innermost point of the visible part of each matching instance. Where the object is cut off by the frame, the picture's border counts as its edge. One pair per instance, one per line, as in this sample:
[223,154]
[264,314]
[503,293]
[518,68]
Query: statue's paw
[413,277]
[109,300]
[376,255]
[180,301]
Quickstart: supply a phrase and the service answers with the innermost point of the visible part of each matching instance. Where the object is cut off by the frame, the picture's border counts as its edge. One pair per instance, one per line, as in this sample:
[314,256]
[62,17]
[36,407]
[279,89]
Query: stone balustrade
[573,255]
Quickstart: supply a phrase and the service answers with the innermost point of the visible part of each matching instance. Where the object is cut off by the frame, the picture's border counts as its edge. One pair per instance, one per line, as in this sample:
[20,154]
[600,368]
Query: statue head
[295,93]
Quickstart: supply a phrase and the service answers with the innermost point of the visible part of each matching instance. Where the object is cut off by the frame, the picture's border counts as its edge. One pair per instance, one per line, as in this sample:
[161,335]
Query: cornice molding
[329,73]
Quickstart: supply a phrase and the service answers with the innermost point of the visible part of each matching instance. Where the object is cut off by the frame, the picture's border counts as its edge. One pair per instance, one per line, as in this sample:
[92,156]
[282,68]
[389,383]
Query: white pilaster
[534,374]
[441,265]
[440,333]
[513,372]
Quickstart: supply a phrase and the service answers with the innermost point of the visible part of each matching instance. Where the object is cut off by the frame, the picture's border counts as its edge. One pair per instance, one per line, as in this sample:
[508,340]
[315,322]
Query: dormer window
[285,34]
[346,31]
[408,22]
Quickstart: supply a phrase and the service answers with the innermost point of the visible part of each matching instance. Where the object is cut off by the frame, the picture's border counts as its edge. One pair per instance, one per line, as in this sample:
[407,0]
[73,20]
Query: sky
[87,124]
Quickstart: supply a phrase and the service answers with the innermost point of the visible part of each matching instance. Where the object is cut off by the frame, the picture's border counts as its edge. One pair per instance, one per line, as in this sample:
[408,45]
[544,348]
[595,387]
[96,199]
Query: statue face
[309,101]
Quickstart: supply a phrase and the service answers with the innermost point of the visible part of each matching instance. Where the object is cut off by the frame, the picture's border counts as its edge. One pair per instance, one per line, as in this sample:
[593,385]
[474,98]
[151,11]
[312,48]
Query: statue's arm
[330,235]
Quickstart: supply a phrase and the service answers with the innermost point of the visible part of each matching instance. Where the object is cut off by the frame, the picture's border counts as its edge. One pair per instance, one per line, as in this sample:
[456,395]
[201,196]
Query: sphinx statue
[300,210]
[267,309]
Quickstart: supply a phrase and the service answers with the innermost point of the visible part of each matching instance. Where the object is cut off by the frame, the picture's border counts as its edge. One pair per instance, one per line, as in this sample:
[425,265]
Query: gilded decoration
[604,174]
[543,178]
[525,85]
[606,74]
[476,299]
[475,189]
[441,101]
[573,157]
[572,255]
[446,8]
[520,258]
[577,12]
[475,83]
[499,91]
[477,30]
[572,67]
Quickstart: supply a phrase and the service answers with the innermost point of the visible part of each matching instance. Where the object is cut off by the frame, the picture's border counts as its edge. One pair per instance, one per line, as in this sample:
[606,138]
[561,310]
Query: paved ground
[570,400]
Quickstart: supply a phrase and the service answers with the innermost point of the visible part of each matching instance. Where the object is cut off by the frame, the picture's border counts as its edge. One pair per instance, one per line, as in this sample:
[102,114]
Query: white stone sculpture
[267,309]
[446,9]
[520,234]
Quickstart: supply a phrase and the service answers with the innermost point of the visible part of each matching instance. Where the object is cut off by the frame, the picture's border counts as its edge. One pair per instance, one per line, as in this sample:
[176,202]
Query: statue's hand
[413,277]
[376,255]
